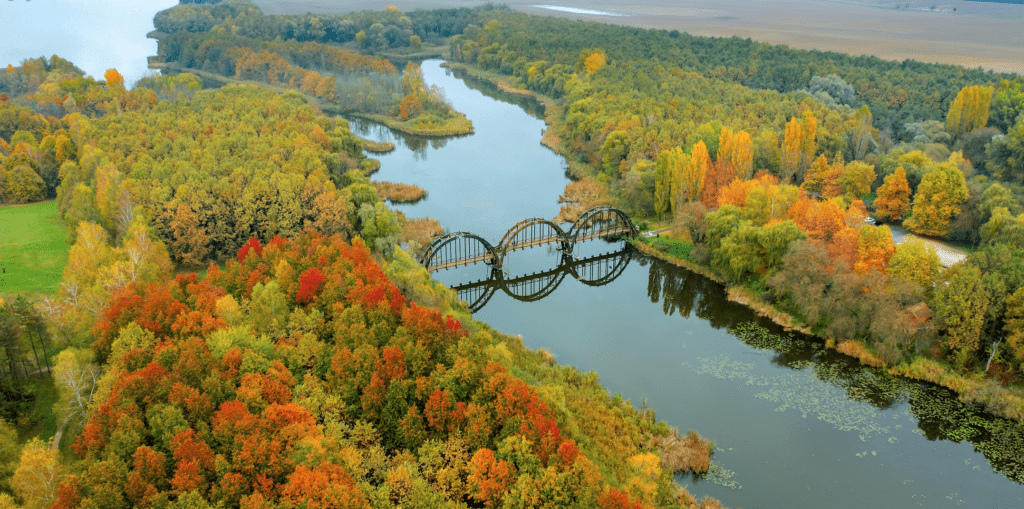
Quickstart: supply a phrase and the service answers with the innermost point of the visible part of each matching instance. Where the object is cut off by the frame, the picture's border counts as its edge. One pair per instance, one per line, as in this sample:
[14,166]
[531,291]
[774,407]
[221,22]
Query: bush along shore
[971,388]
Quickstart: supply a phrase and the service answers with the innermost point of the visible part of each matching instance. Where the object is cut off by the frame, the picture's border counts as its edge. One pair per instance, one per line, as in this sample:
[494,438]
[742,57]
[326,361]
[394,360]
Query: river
[795,425]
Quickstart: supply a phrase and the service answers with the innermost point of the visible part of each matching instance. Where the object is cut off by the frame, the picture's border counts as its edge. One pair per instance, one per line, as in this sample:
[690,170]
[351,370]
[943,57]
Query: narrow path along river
[795,425]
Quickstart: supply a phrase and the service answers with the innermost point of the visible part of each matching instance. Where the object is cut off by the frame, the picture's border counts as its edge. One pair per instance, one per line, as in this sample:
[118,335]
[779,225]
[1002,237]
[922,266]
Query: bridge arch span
[459,248]
[532,232]
[600,222]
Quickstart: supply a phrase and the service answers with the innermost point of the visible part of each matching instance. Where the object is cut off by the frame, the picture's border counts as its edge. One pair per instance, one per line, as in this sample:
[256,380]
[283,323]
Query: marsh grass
[426,125]
[397,192]
[33,252]
[376,147]
[690,453]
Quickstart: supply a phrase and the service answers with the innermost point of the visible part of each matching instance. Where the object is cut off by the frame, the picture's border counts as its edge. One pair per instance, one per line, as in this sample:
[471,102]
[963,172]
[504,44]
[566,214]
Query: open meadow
[32,248]
[966,33]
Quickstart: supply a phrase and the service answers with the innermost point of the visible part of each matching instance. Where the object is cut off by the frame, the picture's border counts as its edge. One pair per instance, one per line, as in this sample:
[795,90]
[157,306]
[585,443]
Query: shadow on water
[597,270]
[419,145]
[530,105]
[940,415]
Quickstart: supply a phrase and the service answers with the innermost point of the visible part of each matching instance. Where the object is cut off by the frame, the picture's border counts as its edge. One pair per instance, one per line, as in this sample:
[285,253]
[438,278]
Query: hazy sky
[94,34]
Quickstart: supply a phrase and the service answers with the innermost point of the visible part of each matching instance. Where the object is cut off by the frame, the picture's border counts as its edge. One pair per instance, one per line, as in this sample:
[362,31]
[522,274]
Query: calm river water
[794,425]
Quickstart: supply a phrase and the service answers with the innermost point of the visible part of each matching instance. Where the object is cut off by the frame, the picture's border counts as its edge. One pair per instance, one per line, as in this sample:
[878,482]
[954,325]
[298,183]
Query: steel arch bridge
[464,248]
[592,271]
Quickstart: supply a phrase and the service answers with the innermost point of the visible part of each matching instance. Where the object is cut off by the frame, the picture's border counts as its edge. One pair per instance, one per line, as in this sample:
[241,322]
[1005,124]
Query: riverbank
[1003,401]
[419,126]
[552,108]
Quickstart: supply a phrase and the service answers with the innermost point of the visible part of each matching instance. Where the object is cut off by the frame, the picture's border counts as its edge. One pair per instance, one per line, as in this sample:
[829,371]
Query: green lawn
[32,248]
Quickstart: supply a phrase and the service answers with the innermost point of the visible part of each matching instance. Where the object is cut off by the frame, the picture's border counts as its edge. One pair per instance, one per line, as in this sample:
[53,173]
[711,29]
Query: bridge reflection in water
[592,271]
[464,248]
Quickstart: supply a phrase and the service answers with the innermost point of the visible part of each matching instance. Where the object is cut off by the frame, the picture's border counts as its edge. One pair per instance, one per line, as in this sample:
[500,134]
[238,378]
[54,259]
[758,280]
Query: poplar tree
[969,110]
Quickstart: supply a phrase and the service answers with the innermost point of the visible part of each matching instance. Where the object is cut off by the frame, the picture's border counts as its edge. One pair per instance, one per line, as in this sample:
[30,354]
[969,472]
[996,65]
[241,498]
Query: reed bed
[397,192]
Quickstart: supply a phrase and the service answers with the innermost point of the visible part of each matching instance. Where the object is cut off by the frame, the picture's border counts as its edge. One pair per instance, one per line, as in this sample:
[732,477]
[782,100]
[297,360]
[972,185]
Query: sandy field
[976,34]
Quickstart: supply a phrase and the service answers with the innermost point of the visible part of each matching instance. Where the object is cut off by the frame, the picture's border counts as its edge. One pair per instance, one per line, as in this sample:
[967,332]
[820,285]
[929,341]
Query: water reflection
[419,145]
[596,270]
[530,105]
[938,412]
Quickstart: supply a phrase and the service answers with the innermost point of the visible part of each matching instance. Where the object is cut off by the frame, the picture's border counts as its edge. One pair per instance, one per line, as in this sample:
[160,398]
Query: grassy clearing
[32,248]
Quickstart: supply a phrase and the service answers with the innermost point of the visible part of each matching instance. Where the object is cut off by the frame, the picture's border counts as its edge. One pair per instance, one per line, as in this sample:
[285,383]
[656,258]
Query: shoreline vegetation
[397,192]
[455,126]
[997,399]
[376,147]
[836,149]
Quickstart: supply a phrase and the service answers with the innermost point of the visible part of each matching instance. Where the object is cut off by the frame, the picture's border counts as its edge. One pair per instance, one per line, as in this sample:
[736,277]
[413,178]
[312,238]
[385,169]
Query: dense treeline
[302,373]
[24,353]
[35,140]
[351,81]
[375,30]
[212,171]
[896,92]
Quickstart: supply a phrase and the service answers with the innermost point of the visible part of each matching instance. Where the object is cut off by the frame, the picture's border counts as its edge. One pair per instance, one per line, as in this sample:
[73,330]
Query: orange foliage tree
[893,202]
[302,412]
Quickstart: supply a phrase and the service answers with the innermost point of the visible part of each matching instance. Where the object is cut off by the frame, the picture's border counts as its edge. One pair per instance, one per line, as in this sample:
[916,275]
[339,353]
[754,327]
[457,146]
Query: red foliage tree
[310,283]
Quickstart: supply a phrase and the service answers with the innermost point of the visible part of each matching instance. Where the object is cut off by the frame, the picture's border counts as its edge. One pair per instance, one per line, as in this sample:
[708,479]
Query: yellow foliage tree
[737,150]
[874,248]
[594,62]
[823,178]
[690,174]
[969,110]
[915,261]
[938,199]
[789,165]
[38,475]
[893,196]
[856,179]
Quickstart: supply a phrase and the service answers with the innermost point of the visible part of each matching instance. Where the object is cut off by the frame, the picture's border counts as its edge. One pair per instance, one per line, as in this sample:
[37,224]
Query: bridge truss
[592,271]
[464,248]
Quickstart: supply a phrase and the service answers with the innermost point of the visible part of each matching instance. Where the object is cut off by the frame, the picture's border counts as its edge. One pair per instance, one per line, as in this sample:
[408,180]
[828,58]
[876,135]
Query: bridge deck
[534,242]
[462,261]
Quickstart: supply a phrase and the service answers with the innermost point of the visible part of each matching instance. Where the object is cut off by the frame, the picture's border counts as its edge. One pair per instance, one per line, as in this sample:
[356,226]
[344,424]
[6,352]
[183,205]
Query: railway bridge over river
[464,248]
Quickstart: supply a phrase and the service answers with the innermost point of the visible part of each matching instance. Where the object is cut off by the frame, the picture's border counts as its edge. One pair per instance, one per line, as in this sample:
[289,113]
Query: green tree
[856,181]
[10,451]
[665,178]
[860,137]
[961,303]
[1014,327]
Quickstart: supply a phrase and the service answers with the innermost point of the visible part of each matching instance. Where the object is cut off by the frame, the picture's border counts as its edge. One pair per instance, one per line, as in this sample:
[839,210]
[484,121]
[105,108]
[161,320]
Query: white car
[870,221]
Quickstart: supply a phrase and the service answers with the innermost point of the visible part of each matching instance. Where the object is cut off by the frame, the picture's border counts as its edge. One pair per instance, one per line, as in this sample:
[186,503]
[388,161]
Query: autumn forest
[242,319]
